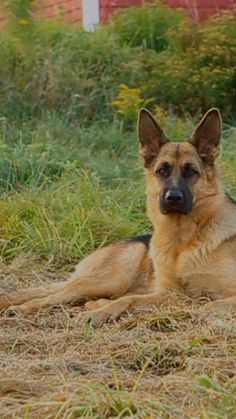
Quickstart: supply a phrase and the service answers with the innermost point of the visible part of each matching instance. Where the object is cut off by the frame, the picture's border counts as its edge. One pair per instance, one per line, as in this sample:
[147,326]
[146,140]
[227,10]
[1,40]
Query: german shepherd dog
[193,246]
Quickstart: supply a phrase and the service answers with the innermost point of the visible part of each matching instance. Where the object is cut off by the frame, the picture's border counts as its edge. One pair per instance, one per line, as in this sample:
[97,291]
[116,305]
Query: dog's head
[180,174]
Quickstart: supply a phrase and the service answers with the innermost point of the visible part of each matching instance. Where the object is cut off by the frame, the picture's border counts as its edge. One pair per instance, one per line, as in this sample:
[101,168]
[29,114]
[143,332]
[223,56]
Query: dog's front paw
[95,305]
[4,301]
[109,313]
[13,312]
[98,317]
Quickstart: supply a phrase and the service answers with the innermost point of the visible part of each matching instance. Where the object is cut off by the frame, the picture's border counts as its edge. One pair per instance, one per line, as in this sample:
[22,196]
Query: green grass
[67,190]
[63,190]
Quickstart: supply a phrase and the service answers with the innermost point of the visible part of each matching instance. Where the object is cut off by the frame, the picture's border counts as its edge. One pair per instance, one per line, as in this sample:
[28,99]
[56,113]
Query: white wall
[90,13]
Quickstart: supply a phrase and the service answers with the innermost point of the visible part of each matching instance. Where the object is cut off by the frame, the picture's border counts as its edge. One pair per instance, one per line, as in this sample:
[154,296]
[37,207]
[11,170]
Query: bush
[49,67]
[199,73]
[147,26]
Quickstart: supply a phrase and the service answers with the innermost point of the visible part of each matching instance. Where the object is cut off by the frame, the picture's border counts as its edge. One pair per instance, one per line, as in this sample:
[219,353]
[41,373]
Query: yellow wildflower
[23,22]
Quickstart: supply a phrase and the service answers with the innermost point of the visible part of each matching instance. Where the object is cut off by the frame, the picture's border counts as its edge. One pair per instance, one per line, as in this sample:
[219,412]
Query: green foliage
[209,383]
[198,70]
[50,67]
[63,194]
[146,26]
[67,190]
[68,219]
[225,407]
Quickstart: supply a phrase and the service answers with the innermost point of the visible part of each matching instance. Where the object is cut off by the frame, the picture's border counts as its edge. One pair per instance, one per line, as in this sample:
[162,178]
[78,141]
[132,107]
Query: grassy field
[65,191]
[71,181]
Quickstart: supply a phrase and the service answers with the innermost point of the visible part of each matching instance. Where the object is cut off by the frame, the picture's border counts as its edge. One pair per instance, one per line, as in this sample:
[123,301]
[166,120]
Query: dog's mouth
[173,210]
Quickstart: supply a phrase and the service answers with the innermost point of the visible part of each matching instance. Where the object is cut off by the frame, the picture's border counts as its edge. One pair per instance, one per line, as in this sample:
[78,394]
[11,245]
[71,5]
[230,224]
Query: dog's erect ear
[206,136]
[151,136]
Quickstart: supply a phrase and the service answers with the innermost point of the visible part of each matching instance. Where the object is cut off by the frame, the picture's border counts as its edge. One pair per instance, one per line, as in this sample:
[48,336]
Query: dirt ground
[158,363]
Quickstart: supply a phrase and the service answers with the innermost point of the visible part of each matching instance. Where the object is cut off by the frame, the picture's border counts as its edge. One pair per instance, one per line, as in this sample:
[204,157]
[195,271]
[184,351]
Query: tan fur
[193,254]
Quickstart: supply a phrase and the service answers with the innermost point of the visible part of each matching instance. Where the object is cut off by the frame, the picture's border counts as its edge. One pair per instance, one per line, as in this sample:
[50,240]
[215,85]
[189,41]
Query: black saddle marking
[145,239]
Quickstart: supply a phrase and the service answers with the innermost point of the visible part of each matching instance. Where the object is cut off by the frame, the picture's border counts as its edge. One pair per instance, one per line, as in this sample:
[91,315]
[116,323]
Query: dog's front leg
[113,310]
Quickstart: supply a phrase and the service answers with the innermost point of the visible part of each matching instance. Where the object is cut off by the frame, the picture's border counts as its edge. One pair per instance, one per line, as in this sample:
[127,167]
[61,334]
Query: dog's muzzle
[175,200]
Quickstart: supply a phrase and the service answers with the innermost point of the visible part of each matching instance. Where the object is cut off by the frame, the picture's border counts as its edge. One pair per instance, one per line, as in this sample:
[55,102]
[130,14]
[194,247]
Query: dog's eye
[189,171]
[163,171]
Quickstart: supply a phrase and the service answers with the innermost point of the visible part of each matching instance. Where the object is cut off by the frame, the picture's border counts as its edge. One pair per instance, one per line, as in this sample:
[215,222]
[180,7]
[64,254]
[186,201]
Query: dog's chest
[191,271]
[203,273]
[177,262]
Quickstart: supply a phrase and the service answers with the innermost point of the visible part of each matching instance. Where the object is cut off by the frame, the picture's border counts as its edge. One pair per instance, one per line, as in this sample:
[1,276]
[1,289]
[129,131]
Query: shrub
[198,73]
[50,67]
[66,70]
[147,26]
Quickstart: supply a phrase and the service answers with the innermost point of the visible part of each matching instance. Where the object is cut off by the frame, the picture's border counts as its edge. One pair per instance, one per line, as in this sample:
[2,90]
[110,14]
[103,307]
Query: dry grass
[173,362]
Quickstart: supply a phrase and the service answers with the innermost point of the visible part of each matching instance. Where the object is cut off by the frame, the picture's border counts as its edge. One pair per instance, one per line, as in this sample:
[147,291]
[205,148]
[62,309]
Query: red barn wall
[108,7]
[199,10]
[71,9]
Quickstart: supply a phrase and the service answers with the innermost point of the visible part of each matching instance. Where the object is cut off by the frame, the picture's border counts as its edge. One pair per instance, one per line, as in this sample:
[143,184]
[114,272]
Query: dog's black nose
[174,197]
